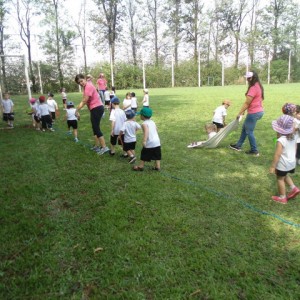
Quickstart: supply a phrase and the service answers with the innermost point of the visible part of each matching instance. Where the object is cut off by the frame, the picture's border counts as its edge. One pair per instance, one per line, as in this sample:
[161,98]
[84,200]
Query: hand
[272,170]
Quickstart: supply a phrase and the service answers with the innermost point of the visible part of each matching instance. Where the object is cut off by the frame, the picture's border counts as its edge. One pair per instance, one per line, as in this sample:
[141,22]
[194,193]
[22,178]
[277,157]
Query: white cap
[248,74]
[146,91]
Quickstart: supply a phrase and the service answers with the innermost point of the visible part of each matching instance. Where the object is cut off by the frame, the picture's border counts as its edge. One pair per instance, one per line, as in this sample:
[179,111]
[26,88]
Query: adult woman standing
[96,108]
[101,84]
[254,107]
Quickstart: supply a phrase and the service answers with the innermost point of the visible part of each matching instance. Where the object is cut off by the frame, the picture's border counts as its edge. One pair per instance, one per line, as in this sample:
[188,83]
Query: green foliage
[279,71]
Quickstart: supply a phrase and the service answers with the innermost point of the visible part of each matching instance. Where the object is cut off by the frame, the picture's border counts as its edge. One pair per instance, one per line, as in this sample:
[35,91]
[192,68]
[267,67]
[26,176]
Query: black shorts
[114,139]
[107,102]
[129,146]
[37,119]
[72,123]
[149,154]
[219,125]
[64,101]
[53,115]
[284,173]
[8,117]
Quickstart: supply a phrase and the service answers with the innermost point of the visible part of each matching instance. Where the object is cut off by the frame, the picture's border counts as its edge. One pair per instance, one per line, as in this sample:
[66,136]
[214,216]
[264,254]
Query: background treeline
[118,37]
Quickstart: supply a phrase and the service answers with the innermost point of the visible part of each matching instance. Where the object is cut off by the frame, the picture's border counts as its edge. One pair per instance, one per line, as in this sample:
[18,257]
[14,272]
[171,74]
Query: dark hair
[133,94]
[70,106]
[255,79]
[78,77]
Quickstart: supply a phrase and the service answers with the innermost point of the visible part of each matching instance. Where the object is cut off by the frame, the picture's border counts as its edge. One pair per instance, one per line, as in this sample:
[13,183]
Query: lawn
[78,226]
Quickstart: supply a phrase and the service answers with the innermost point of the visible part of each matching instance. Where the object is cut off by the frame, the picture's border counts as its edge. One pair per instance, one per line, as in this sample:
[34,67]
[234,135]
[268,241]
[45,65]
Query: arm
[83,102]
[146,134]
[245,105]
[276,158]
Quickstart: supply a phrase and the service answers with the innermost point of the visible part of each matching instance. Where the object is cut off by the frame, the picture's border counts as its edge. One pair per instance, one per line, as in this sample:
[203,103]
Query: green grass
[202,228]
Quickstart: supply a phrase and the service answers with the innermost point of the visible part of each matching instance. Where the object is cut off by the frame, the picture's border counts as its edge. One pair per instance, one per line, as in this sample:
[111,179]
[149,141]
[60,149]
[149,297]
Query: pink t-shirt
[256,103]
[94,98]
[102,83]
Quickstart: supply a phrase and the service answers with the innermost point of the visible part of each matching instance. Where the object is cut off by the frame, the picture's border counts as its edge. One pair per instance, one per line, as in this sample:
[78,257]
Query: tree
[3,13]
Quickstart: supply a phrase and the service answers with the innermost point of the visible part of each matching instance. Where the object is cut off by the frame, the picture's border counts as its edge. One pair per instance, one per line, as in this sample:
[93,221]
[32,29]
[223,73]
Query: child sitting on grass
[284,160]
[72,116]
[151,142]
[129,130]
[219,115]
[211,130]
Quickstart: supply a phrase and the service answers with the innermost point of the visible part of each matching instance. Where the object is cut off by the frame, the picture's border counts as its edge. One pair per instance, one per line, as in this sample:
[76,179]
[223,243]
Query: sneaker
[293,193]
[103,150]
[43,130]
[280,200]
[254,153]
[235,147]
[69,132]
[51,129]
[124,155]
[95,148]
[76,140]
[111,153]
[132,159]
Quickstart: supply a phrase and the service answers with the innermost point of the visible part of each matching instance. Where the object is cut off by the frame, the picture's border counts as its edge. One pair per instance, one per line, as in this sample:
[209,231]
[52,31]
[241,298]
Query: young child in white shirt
[72,117]
[219,115]
[211,130]
[44,114]
[134,103]
[8,110]
[53,107]
[129,129]
[284,161]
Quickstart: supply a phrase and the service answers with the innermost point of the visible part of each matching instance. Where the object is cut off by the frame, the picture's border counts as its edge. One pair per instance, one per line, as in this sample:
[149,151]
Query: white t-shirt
[134,102]
[297,128]
[118,116]
[127,102]
[146,100]
[219,113]
[153,138]
[129,128]
[7,106]
[287,160]
[52,105]
[107,95]
[71,114]
[43,109]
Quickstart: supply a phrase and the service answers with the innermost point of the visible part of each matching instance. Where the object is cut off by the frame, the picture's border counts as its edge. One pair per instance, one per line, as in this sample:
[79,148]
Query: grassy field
[78,226]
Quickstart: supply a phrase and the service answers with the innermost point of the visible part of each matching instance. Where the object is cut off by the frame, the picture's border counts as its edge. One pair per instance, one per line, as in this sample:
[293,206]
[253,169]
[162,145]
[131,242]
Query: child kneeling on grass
[284,160]
[151,142]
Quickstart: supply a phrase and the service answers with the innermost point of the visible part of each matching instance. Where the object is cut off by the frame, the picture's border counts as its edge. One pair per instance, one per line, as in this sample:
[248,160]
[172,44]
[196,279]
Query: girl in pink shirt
[93,102]
[102,84]
[254,107]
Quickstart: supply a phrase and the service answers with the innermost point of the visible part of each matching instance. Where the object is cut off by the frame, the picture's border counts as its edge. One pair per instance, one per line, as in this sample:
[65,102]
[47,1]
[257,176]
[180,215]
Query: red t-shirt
[94,98]
[102,83]
[256,104]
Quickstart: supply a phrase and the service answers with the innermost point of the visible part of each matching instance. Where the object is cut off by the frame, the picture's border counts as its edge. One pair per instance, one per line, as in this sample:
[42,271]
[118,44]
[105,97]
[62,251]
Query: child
[211,130]
[284,160]
[34,112]
[117,118]
[146,101]
[72,116]
[44,114]
[129,129]
[64,98]
[107,98]
[134,103]
[127,102]
[219,115]
[8,110]
[53,107]
[297,132]
[151,142]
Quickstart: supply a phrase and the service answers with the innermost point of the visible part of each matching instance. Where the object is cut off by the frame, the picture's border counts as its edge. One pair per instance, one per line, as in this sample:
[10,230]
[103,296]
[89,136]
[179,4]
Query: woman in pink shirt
[92,100]
[102,84]
[254,107]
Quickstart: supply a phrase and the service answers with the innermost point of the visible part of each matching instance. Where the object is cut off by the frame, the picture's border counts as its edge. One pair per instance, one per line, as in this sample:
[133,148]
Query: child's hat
[32,100]
[115,100]
[289,108]
[248,74]
[50,94]
[130,114]
[42,98]
[69,103]
[284,124]
[146,112]
[146,91]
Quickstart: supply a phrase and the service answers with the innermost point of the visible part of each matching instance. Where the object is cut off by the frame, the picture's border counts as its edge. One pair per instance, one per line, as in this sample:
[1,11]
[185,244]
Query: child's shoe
[132,159]
[293,193]
[235,147]
[76,140]
[280,200]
